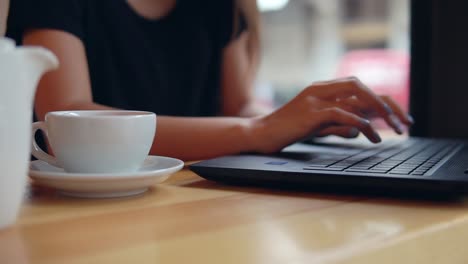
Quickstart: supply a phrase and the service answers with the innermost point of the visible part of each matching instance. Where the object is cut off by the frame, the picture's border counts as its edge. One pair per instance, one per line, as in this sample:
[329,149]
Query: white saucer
[155,169]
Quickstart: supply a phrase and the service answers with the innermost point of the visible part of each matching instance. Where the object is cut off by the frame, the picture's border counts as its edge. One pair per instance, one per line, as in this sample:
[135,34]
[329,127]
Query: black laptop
[438,103]
[414,164]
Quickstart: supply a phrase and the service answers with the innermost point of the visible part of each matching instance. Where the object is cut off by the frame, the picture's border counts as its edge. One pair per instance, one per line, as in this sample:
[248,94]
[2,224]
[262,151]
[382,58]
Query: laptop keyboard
[415,157]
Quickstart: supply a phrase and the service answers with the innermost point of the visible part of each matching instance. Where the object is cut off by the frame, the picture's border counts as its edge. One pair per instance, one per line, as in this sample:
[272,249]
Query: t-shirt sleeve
[64,15]
[227,21]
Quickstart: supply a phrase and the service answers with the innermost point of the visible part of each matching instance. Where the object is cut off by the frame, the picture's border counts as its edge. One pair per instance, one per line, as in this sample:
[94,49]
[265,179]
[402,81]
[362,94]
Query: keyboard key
[364,171]
[399,172]
[323,168]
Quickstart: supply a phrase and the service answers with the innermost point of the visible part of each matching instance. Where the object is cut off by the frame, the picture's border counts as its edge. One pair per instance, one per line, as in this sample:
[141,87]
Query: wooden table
[190,220]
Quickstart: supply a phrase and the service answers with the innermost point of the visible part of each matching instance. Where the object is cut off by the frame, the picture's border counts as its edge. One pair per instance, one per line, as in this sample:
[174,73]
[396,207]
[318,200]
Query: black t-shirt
[170,66]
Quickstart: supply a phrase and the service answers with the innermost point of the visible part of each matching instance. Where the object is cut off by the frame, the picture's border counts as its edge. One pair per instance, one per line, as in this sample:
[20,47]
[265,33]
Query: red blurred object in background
[382,70]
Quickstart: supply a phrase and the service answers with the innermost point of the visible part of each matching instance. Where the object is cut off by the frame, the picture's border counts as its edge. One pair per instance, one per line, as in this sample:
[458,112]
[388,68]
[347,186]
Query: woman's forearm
[3,16]
[193,138]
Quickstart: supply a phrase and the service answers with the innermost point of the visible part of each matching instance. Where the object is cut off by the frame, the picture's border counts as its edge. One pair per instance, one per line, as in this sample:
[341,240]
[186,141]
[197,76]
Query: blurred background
[311,40]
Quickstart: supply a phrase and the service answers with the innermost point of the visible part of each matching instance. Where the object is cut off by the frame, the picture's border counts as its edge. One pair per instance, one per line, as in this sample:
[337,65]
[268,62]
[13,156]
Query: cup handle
[36,151]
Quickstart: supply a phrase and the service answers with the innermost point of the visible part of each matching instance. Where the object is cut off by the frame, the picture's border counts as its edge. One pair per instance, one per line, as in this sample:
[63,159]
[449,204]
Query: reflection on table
[190,220]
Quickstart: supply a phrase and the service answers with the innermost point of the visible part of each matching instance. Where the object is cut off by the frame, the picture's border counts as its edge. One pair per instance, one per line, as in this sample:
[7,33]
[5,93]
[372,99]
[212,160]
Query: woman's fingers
[341,131]
[352,87]
[402,115]
[304,116]
[354,103]
[336,116]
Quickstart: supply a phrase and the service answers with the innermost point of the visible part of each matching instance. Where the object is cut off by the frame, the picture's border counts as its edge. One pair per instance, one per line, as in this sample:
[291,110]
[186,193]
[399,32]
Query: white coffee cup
[115,141]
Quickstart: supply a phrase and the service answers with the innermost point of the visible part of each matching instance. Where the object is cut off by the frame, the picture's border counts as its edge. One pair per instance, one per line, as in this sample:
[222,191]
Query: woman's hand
[341,107]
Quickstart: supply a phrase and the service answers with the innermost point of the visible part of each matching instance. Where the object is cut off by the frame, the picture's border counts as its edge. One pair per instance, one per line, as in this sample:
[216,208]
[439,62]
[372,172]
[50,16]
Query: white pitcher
[20,71]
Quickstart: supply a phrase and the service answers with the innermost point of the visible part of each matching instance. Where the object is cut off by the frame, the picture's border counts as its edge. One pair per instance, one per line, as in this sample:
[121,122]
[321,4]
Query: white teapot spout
[21,69]
[35,62]
[6,45]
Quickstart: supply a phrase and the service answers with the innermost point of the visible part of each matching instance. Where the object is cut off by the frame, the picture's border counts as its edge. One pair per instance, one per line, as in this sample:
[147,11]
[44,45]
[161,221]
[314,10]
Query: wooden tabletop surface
[190,220]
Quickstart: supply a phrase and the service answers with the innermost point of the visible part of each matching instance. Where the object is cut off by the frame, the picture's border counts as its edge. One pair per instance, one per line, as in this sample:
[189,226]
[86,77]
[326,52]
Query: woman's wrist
[255,109]
[255,134]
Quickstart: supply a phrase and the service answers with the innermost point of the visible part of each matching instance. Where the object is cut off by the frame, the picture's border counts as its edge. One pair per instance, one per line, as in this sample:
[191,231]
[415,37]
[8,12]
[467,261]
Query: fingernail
[388,109]
[410,119]
[396,124]
[365,122]
[376,137]
[353,132]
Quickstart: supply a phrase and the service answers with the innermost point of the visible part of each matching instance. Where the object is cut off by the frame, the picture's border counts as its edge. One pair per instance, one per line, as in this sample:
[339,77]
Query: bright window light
[271,5]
